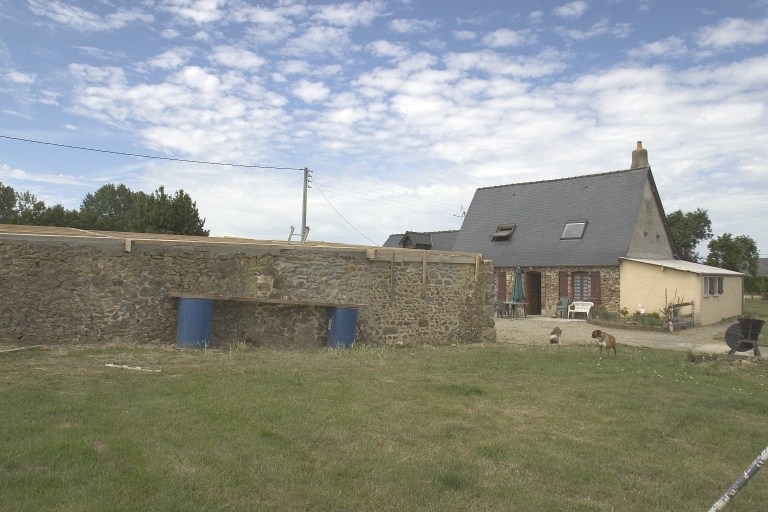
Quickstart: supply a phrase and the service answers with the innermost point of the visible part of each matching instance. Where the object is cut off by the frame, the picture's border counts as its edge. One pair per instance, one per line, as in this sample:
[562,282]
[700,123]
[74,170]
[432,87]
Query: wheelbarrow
[742,336]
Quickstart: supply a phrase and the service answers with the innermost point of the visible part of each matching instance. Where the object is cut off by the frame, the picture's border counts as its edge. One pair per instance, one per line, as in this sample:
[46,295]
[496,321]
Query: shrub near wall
[60,289]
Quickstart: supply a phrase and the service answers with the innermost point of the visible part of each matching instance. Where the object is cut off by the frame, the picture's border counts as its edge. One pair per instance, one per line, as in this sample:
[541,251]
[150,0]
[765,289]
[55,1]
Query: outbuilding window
[713,286]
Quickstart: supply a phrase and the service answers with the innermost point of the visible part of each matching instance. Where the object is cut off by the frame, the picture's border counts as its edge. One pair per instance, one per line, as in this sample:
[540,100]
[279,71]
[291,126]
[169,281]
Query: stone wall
[609,286]
[114,289]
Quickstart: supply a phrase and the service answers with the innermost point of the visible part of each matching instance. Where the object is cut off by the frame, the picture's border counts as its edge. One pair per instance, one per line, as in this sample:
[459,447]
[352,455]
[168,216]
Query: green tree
[186,218]
[8,214]
[734,253]
[160,213]
[29,209]
[57,215]
[688,230]
[110,208]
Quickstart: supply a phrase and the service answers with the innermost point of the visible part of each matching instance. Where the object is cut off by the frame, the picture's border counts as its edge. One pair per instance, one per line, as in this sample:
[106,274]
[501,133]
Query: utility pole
[304,227]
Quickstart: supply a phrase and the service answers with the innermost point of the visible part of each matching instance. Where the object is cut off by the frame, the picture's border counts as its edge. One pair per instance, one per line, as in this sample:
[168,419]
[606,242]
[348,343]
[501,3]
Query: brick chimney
[639,157]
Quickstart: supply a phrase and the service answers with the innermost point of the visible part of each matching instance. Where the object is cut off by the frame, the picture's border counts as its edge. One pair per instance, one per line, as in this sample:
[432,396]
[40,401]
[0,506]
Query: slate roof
[762,266]
[609,202]
[440,240]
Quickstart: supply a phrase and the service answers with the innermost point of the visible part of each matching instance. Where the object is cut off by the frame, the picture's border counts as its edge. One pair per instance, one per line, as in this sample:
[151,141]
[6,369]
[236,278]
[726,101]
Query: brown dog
[605,340]
[554,336]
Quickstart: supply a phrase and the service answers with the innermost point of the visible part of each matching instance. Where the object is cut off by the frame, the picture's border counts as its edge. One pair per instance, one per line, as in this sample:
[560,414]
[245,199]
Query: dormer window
[574,229]
[503,233]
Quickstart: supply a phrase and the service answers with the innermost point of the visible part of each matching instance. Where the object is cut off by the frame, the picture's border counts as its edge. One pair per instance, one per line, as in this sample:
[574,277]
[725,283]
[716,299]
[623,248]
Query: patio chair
[501,309]
[562,306]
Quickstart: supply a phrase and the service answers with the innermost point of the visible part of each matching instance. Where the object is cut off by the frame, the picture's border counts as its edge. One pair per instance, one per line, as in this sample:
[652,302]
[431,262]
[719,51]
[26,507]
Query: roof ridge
[646,168]
[427,232]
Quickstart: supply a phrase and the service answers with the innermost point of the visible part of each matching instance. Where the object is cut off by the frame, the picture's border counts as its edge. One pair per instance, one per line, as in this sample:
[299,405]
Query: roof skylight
[574,230]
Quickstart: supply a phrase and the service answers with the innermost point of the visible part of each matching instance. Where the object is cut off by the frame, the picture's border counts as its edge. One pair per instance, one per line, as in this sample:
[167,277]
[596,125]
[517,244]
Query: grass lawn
[756,308]
[486,428]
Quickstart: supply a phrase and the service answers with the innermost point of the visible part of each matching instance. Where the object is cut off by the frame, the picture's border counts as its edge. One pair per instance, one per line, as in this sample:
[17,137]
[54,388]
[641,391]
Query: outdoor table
[515,308]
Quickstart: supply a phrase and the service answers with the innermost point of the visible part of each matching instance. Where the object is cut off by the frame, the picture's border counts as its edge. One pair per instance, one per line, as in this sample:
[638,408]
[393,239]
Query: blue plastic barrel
[194,327]
[342,327]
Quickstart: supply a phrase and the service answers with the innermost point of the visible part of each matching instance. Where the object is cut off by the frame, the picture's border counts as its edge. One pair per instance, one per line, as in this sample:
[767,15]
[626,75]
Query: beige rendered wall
[646,285]
[727,305]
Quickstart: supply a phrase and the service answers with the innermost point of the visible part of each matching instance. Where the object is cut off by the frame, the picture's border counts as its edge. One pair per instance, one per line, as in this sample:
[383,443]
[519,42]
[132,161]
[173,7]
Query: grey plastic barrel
[194,325]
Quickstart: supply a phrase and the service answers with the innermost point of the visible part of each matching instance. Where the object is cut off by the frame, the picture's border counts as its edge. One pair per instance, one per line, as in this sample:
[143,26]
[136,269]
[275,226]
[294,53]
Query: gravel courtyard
[536,329]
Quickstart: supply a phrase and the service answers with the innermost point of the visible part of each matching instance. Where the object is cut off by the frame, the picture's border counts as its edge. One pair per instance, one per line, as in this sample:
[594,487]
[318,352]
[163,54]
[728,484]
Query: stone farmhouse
[601,238]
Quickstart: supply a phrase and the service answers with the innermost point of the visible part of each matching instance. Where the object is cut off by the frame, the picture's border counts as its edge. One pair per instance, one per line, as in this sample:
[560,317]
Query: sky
[400,109]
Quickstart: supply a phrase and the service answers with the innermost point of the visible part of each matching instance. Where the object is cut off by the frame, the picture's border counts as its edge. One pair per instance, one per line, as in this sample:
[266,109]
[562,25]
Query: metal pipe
[741,481]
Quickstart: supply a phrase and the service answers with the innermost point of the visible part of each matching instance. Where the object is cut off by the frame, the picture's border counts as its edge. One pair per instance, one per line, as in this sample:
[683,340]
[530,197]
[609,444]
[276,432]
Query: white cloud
[601,28]
[6,172]
[292,67]
[412,26]
[672,47]
[350,14]
[543,64]
[170,33]
[506,37]
[171,59]
[198,11]
[17,114]
[464,35]
[383,48]
[81,19]
[19,77]
[572,9]
[270,26]
[311,92]
[734,32]
[101,53]
[318,41]
[238,58]
[193,110]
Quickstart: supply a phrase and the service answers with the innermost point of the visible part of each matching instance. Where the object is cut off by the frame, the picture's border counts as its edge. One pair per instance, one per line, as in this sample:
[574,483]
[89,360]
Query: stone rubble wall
[69,290]
[550,285]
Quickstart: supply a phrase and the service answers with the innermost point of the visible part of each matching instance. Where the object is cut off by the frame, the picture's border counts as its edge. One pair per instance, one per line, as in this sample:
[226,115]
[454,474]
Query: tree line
[738,253]
[110,208]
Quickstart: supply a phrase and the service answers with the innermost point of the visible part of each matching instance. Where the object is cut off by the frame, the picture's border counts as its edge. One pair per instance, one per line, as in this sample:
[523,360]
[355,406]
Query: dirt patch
[536,330]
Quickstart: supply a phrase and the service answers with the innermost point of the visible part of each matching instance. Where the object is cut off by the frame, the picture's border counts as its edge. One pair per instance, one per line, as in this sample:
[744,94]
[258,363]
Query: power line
[430,207]
[410,205]
[150,156]
[368,187]
[340,215]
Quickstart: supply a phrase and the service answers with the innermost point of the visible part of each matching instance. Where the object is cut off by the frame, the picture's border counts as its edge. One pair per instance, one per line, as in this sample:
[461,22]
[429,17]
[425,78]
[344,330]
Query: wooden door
[501,286]
[533,292]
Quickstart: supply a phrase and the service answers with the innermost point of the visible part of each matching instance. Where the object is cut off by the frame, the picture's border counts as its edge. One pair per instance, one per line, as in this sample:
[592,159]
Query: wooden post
[392,276]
